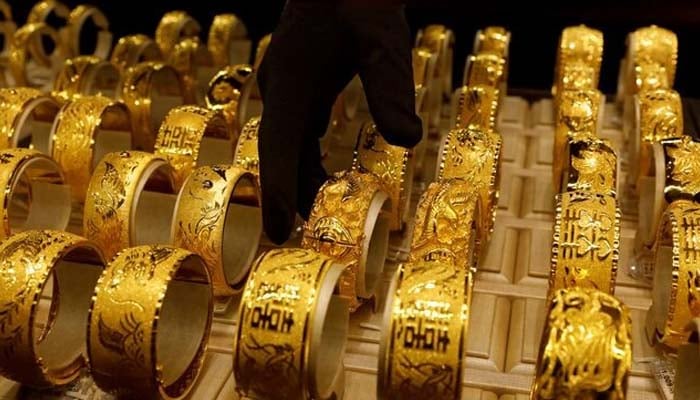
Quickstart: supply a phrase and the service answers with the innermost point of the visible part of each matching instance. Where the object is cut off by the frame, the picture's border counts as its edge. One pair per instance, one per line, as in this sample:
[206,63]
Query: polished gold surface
[424,346]
[423,67]
[27,46]
[77,18]
[586,347]
[127,328]
[42,9]
[477,107]
[75,133]
[493,39]
[15,106]
[246,154]
[188,57]
[173,27]
[228,93]
[656,46]
[591,166]
[660,117]
[485,69]
[579,44]
[586,242]
[39,356]
[440,40]
[85,75]
[224,29]
[682,168]
[180,137]
[133,49]
[110,206]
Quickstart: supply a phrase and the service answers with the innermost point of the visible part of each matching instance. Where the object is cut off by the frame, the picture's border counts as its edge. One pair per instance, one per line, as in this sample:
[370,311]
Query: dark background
[535,28]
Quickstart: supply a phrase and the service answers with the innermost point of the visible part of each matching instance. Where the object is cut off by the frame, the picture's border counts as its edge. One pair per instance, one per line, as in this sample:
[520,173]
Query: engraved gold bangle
[20,108]
[27,49]
[440,41]
[228,93]
[394,165]
[181,139]
[77,18]
[292,330]
[193,61]
[218,217]
[246,153]
[484,69]
[173,27]
[86,129]
[134,49]
[586,242]
[652,45]
[586,347]
[576,76]
[116,211]
[149,323]
[477,107]
[260,50]
[423,347]
[33,192]
[86,75]
[591,166]
[37,350]
[347,224]
[676,278]
[150,90]
[579,44]
[492,39]
[225,28]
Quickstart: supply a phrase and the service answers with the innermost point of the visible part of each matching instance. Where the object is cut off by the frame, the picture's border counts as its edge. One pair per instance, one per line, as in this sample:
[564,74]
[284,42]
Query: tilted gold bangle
[484,69]
[173,27]
[292,330]
[579,44]
[444,229]
[193,61]
[586,242]
[54,353]
[423,346]
[394,165]
[86,75]
[492,39]
[224,29]
[181,134]
[77,18]
[33,193]
[150,90]
[477,107]
[116,189]
[149,323]
[676,282]
[228,93]
[27,47]
[246,153]
[218,217]
[347,224]
[133,49]
[19,106]
[42,9]
[591,166]
[586,347]
[79,126]
[653,45]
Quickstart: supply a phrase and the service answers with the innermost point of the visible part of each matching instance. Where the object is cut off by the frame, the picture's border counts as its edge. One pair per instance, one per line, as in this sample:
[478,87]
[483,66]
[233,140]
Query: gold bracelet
[590,166]
[445,219]
[228,93]
[586,242]
[150,90]
[181,134]
[347,224]
[49,353]
[76,21]
[477,107]
[484,69]
[27,47]
[586,347]
[260,50]
[440,41]
[392,164]
[173,27]
[79,126]
[292,330]
[423,346]
[86,75]
[116,193]
[579,44]
[33,192]
[652,45]
[42,9]
[19,107]
[224,29]
[218,217]
[246,153]
[149,323]
[133,49]
[492,39]
[193,61]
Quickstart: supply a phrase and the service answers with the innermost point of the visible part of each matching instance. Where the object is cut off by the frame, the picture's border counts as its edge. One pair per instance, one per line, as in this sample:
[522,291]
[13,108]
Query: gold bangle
[134,49]
[676,277]
[590,166]
[586,347]
[260,50]
[579,44]
[423,67]
[443,228]
[682,170]
[484,69]
[246,153]
[292,330]
[116,196]
[149,323]
[347,224]
[19,107]
[173,27]
[181,135]
[653,45]
[77,19]
[218,217]
[440,41]
[423,346]
[477,107]
[150,90]
[194,63]
[228,93]
[586,242]
[27,47]
[54,354]
[86,75]
[6,11]
[225,28]
[86,129]
[492,39]
[33,192]
[42,9]
[392,164]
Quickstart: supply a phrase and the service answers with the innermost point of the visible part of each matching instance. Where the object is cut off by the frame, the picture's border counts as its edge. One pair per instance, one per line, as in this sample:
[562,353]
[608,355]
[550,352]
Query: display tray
[508,306]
